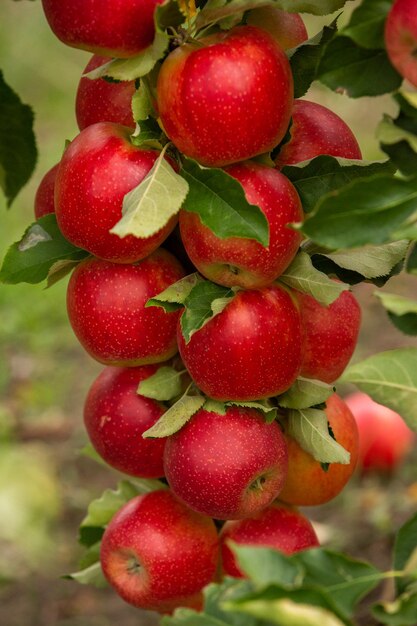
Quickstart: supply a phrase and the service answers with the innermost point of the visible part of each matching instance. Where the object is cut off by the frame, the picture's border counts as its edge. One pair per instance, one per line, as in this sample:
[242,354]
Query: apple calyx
[133,566]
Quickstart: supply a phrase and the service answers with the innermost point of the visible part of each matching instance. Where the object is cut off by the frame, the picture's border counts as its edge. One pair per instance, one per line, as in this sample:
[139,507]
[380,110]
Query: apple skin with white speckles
[99,100]
[116,416]
[401,38]
[44,197]
[113,28]
[251,350]
[158,554]
[106,308]
[330,335]
[227,466]
[279,526]
[97,170]
[227,99]
[246,263]
[287,29]
[317,130]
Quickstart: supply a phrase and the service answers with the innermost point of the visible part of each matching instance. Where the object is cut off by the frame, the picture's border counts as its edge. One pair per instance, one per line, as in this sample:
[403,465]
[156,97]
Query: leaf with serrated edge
[148,207]
[366,25]
[305,393]
[309,427]
[205,301]
[390,378]
[215,406]
[176,416]
[269,412]
[174,296]
[370,261]
[165,384]
[303,276]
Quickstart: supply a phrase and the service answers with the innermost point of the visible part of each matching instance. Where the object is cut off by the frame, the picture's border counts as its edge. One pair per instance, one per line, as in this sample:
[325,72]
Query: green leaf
[390,378]
[92,575]
[402,311]
[165,384]
[398,136]
[90,452]
[356,71]
[368,211]
[303,276]
[411,264]
[404,548]
[174,296]
[367,23]
[31,259]
[148,207]
[148,135]
[141,103]
[268,412]
[18,152]
[215,406]
[205,301]
[315,178]
[265,566]
[309,427]
[220,202]
[399,612]
[176,416]
[304,394]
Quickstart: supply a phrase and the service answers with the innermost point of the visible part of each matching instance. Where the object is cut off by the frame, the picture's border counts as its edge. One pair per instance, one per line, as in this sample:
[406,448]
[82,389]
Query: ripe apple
[106,308]
[251,350]
[287,29]
[308,484]
[226,466]
[97,170]
[44,198]
[158,554]
[401,38]
[244,262]
[384,438]
[113,28]
[116,416]
[228,98]
[278,526]
[317,130]
[100,101]
[330,335]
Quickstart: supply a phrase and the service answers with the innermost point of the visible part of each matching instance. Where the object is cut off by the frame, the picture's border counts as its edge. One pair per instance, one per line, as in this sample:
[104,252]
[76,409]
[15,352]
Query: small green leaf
[309,427]
[405,546]
[303,276]
[304,394]
[165,384]
[400,612]
[60,270]
[141,103]
[265,566]
[367,23]
[411,264]
[402,311]
[388,132]
[148,135]
[390,378]
[148,207]
[205,301]
[220,202]
[174,296]
[215,406]
[92,575]
[269,412]
[176,416]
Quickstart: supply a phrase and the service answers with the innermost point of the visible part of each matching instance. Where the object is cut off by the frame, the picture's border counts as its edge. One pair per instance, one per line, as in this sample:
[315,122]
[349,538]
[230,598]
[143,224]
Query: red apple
[278,526]
[97,170]
[307,483]
[401,38]
[44,198]
[158,554]
[116,416]
[244,262]
[113,28]
[251,350]
[100,101]
[287,29]
[330,335]
[226,466]
[317,130]
[106,308]
[228,98]
[384,438]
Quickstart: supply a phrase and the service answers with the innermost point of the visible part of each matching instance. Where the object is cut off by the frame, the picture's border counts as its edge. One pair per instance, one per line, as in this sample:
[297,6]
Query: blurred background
[45,484]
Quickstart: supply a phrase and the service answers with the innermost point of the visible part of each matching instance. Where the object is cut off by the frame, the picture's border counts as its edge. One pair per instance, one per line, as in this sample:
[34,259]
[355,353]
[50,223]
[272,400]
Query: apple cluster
[225,100]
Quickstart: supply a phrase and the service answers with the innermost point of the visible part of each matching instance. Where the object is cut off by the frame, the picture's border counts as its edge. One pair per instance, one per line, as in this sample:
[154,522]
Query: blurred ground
[45,485]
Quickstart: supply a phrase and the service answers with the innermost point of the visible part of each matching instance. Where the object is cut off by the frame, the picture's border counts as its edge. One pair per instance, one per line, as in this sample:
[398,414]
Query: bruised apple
[308,483]
[228,98]
[106,308]
[242,262]
[226,466]
[158,554]
[278,526]
[287,29]
[116,416]
[401,38]
[44,197]
[251,350]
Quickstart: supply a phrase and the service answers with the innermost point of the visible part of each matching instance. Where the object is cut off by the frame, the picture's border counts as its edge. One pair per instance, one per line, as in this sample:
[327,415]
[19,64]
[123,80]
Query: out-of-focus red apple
[287,29]
[158,554]
[384,438]
[317,130]
[244,262]
[226,466]
[278,526]
[308,484]
[401,38]
[44,198]
[101,101]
